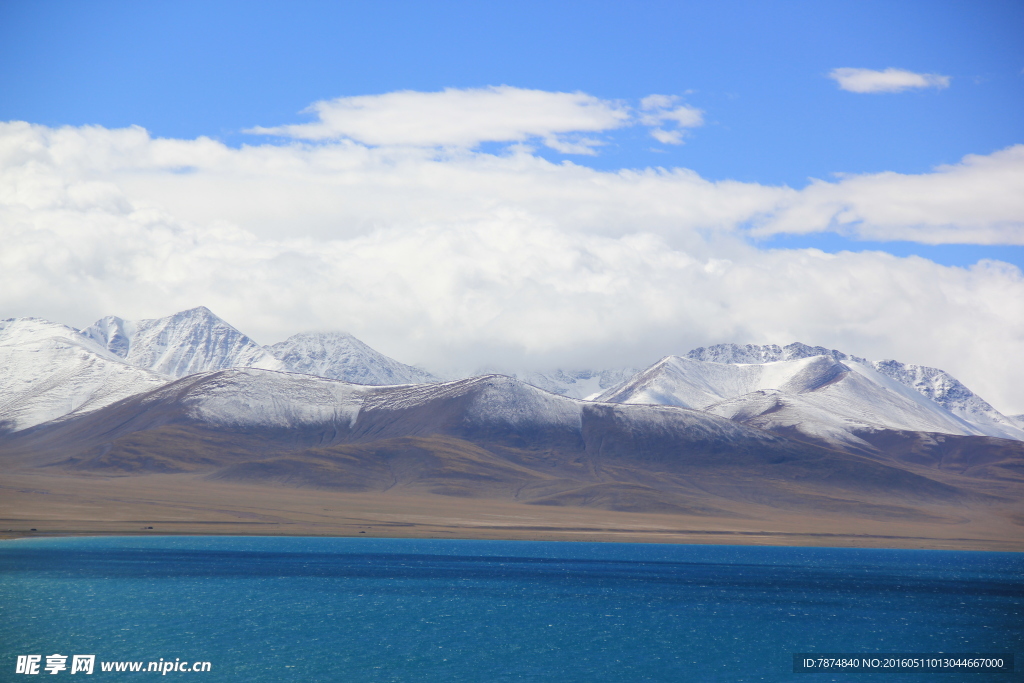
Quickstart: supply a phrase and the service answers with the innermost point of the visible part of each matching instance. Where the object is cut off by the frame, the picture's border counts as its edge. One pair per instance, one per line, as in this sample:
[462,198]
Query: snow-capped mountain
[827,396]
[851,393]
[196,340]
[935,384]
[338,355]
[187,342]
[51,370]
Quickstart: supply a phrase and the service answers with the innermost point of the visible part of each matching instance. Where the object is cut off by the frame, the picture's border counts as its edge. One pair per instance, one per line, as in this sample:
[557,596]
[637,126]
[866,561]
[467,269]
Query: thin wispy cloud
[890,80]
[467,117]
[462,118]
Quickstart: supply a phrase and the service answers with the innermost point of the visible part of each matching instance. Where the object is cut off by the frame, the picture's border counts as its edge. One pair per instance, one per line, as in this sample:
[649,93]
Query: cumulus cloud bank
[458,258]
[889,80]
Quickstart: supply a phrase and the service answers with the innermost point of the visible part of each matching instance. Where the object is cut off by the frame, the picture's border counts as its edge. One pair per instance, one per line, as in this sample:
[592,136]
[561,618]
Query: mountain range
[813,389]
[710,433]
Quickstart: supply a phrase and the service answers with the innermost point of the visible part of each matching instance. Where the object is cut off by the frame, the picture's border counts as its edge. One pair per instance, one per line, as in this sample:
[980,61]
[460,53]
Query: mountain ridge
[196,340]
[484,436]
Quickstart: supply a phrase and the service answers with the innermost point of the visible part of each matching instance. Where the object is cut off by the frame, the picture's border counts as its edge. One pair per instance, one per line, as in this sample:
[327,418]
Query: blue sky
[757,69]
[930,170]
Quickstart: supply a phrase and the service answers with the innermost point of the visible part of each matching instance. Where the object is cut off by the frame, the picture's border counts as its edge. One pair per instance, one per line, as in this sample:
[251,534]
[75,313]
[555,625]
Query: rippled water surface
[328,609]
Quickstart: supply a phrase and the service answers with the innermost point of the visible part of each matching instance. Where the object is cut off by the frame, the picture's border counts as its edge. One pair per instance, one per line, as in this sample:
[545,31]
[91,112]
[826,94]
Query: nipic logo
[29,664]
[85,664]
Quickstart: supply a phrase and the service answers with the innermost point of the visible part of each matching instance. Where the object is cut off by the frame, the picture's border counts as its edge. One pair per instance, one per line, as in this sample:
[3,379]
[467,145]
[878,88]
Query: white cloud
[979,200]
[465,118]
[565,145]
[657,110]
[504,259]
[460,118]
[667,137]
[890,80]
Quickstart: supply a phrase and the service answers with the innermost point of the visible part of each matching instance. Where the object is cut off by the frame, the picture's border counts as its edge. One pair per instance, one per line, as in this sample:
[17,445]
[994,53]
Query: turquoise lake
[337,609]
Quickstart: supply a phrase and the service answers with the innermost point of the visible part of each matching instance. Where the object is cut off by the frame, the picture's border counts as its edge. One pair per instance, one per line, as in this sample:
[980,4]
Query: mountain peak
[199,312]
[339,355]
[183,343]
[765,353]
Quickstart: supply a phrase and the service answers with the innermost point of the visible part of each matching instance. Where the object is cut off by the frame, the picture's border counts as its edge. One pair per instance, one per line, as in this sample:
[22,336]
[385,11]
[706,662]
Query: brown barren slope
[176,480]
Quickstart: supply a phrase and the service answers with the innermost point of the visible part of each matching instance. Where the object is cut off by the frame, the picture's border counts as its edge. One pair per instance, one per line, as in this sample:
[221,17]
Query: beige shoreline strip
[51,505]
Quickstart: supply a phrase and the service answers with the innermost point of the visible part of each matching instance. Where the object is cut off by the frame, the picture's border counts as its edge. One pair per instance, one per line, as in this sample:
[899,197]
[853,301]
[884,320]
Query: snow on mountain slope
[695,384]
[248,397]
[818,395]
[51,370]
[873,397]
[338,355]
[479,437]
[837,392]
[937,385]
[585,384]
[506,401]
[332,411]
[187,342]
[485,408]
[255,398]
[951,394]
[772,409]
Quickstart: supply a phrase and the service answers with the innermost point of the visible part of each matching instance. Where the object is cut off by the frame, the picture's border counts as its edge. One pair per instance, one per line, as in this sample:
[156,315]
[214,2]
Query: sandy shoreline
[540,534]
[51,505]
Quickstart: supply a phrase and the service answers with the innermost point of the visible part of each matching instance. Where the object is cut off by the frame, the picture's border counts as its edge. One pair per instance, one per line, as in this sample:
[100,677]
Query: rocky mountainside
[767,353]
